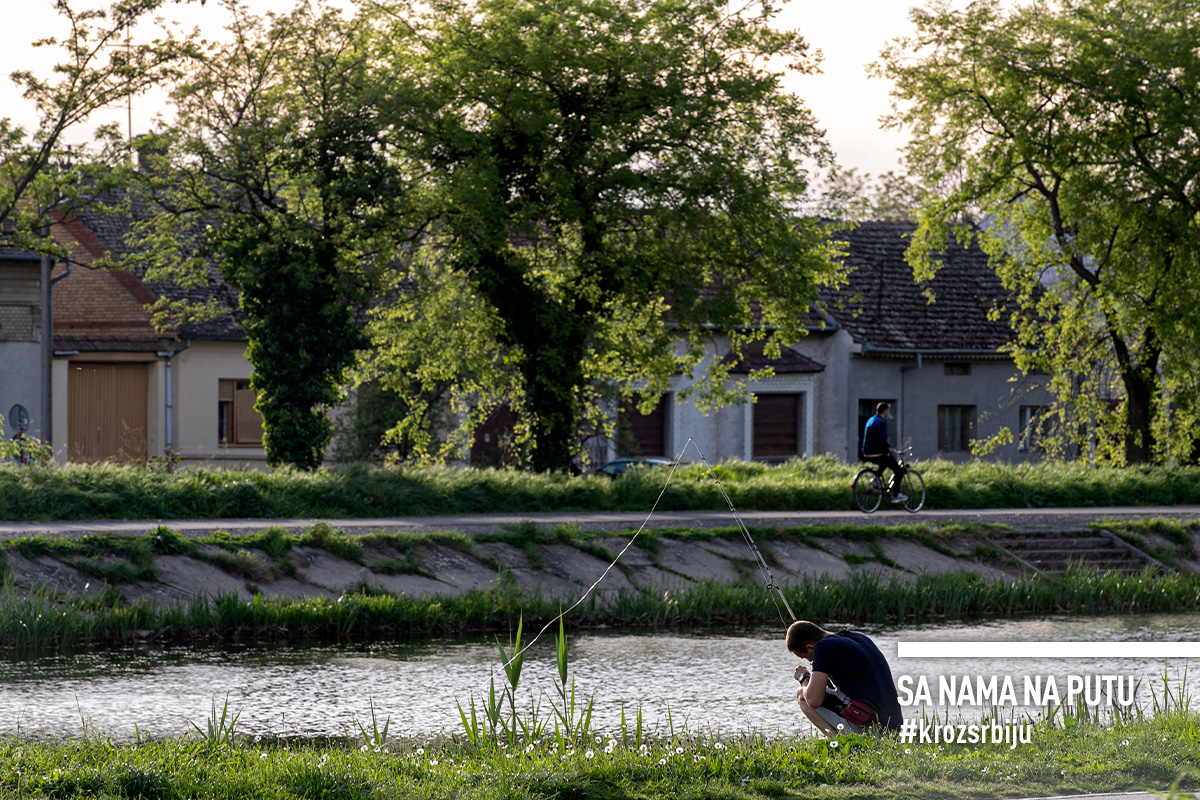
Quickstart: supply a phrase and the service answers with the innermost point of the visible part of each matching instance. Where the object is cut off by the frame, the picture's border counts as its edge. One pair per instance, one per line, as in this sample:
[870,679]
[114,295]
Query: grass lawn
[1080,756]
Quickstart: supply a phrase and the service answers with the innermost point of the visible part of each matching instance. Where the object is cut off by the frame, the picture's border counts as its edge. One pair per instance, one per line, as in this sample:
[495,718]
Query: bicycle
[869,489]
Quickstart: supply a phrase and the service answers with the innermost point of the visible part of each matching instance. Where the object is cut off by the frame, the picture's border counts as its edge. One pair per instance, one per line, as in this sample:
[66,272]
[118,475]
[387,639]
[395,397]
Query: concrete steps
[1053,552]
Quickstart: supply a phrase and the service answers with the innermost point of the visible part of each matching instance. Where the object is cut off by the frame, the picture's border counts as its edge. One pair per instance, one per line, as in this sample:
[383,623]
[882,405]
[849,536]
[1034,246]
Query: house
[24,350]
[117,388]
[877,338]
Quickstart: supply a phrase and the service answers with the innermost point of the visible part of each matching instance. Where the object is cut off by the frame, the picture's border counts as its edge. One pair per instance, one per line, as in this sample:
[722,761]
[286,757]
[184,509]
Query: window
[641,434]
[776,433]
[866,410]
[958,368]
[956,428]
[1034,424]
[238,423]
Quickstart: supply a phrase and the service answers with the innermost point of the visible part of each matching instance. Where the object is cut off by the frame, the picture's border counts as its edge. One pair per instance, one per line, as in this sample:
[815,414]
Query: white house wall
[198,371]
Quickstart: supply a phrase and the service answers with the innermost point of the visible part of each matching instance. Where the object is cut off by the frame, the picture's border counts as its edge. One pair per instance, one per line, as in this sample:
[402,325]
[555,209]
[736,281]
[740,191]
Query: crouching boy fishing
[850,687]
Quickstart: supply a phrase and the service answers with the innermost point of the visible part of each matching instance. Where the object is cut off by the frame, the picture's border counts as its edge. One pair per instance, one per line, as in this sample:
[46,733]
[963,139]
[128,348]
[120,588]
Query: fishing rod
[763,568]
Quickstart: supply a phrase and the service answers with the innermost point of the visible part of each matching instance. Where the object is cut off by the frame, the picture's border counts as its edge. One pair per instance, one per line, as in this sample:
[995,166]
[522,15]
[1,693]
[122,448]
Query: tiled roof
[789,361]
[111,230]
[104,344]
[883,308]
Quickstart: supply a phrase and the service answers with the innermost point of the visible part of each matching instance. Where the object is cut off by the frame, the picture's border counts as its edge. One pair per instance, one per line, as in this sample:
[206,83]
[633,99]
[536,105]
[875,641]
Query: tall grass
[80,492]
[44,620]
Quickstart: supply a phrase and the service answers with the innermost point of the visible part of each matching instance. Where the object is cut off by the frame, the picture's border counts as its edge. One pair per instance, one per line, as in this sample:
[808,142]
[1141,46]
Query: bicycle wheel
[868,490]
[913,485]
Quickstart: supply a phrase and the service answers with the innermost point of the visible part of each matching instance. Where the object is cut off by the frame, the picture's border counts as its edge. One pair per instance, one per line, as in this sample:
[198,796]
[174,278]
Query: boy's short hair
[801,634]
[882,407]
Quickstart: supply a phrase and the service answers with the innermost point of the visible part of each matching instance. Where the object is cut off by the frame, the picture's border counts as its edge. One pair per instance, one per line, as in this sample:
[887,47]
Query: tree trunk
[1140,386]
[552,338]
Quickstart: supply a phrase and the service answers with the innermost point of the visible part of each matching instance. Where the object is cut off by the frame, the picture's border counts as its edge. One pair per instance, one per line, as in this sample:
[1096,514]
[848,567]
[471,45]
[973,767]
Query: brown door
[106,412]
[776,425]
[641,434]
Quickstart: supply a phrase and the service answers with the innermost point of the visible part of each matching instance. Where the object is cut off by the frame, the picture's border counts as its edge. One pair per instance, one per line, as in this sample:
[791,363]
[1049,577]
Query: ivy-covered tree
[615,180]
[1066,131]
[277,168]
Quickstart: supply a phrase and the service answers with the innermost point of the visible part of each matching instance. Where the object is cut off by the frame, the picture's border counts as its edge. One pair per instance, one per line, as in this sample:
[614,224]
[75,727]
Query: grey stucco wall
[994,388]
[21,382]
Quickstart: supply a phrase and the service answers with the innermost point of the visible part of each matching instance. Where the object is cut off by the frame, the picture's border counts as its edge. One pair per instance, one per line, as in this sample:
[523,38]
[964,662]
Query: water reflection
[718,684]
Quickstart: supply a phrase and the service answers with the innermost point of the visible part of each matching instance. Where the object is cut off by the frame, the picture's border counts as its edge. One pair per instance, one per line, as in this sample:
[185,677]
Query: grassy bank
[47,621]
[79,492]
[1079,757]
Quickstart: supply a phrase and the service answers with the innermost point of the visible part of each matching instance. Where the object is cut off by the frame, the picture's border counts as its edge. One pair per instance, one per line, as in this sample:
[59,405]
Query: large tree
[613,178]
[279,169]
[1066,131]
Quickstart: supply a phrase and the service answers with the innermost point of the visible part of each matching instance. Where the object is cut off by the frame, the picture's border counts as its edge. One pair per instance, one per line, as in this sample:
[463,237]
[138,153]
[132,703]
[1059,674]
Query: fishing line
[764,569]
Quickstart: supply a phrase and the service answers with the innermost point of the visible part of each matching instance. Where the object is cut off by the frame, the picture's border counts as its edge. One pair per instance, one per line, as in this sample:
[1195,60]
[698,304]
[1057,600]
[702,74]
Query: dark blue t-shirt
[875,437]
[855,664]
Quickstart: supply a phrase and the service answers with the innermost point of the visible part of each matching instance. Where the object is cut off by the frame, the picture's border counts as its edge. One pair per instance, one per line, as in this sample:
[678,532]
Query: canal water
[710,684]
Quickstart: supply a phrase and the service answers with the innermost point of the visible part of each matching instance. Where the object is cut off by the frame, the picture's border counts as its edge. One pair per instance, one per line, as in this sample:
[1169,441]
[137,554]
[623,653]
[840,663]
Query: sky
[847,104]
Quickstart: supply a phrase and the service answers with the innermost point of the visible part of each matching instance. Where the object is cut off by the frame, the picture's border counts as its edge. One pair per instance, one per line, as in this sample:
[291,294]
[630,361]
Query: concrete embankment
[424,557]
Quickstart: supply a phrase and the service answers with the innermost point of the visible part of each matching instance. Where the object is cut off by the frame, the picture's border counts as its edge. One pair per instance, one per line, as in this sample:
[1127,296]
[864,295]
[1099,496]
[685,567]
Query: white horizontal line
[1115,649]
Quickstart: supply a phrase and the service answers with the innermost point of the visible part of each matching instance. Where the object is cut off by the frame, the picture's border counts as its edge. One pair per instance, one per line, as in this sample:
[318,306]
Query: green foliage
[43,180]
[324,536]
[608,176]
[274,169]
[1064,129]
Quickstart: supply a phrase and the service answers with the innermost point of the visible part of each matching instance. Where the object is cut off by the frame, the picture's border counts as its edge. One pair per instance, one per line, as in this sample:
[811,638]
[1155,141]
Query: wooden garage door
[641,434]
[106,412]
[776,425]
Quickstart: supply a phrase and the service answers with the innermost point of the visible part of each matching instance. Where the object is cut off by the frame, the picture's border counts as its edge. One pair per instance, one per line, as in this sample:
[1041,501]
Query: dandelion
[718,746]
[608,748]
[363,749]
[908,750]
[510,755]
[262,755]
[433,762]
[528,748]
[598,740]
[420,751]
[833,744]
[590,754]
[679,750]
[644,748]
[841,726]
[662,761]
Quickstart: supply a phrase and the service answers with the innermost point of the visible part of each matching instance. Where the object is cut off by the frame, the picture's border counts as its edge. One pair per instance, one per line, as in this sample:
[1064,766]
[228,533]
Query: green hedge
[80,492]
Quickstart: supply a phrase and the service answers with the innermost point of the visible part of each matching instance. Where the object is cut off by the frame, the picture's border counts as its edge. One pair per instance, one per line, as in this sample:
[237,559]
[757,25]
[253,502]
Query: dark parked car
[618,467]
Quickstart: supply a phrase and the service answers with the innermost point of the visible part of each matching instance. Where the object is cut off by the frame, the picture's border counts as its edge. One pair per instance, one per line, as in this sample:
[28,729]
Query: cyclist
[877,450]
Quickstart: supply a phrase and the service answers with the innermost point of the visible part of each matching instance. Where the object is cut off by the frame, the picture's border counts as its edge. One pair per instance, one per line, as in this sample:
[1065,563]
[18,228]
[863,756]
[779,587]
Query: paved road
[1023,518]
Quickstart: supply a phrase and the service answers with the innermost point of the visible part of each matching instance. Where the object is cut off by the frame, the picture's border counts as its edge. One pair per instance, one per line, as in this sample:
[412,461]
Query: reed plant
[91,491]
[44,620]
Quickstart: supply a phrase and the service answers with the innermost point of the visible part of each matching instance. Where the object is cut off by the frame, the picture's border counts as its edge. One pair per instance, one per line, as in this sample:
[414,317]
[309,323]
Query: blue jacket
[875,437]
